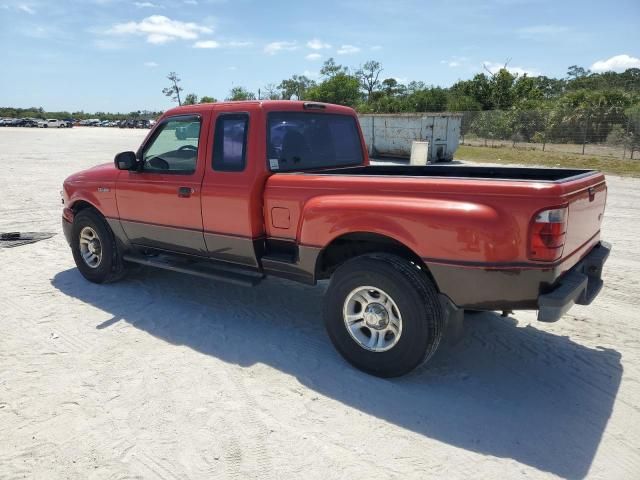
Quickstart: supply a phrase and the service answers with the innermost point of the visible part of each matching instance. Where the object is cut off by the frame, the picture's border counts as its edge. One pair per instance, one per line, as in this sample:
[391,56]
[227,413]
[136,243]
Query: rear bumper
[553,288]
[580,285]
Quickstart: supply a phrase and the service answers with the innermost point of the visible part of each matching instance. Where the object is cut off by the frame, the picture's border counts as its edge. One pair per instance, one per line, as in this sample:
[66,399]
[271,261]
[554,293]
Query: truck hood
[106,172]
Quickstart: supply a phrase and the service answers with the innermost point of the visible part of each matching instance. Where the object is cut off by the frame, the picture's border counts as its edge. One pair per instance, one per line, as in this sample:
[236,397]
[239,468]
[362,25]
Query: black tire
[416,298]
[111,267]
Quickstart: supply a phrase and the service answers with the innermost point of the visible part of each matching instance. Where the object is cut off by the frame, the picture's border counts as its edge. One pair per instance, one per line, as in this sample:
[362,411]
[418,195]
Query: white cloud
[317,44]
[206,44]
[617,63]
[455,62]
[495,67]
[275,47]
[26,9]
[147,5]
[191,2]
[232,68]
[150,64]
[159,29]
[313,56]
[348,50]
[450,63]
[375,48]
[541,32]
[108,44]
[238,44]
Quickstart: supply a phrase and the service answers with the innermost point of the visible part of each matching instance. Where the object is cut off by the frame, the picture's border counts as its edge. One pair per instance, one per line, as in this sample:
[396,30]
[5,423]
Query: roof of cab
[270,105]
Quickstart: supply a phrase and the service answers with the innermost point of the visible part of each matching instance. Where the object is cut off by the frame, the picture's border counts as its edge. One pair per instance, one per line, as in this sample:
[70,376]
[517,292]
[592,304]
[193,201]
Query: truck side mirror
[125,161]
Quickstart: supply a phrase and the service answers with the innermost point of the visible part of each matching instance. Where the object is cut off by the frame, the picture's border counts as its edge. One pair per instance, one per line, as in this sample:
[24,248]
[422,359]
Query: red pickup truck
[238,191]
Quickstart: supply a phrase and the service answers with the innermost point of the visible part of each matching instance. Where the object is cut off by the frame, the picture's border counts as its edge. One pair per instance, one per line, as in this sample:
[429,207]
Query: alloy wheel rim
[372,319]
[90,247]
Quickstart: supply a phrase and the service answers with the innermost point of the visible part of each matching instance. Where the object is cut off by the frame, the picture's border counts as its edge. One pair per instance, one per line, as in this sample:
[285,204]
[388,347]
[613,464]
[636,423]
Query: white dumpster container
[419,153]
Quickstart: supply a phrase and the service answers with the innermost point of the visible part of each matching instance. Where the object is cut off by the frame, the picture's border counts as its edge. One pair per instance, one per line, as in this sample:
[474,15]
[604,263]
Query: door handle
[185,192]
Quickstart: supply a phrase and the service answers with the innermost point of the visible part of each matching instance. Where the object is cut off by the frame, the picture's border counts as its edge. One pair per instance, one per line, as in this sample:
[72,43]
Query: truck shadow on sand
[519,393]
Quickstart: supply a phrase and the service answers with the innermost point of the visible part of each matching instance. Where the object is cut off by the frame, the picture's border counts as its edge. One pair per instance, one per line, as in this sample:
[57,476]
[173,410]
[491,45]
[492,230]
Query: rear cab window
[230,142]
[303,141]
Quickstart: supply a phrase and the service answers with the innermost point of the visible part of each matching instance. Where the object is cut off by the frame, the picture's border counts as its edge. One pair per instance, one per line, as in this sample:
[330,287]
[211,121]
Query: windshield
[302,141]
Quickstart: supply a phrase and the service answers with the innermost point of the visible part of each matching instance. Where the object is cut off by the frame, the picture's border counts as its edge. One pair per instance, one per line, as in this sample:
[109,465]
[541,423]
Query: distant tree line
[39,112]
[583,107]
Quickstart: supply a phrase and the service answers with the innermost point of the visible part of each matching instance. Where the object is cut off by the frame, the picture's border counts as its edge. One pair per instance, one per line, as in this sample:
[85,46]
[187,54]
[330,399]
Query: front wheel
[383,314]
[94,248]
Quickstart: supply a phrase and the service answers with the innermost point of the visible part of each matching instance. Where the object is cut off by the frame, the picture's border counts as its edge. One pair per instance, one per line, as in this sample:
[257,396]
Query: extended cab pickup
[238,191]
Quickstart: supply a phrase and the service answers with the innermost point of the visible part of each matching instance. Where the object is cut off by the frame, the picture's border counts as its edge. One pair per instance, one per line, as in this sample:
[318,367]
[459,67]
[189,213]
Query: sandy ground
[168,376]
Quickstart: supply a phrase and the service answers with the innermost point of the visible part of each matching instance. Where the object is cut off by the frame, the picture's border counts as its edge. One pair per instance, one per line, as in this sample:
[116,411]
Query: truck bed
[557,175]
[473,216]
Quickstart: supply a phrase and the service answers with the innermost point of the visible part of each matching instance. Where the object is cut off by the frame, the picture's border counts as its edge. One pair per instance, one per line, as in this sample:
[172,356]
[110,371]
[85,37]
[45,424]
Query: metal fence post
[626,137]
[586,128]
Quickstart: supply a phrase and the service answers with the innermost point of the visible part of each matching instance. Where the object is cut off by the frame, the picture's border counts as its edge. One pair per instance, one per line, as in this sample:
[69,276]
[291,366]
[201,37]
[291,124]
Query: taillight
[547,234]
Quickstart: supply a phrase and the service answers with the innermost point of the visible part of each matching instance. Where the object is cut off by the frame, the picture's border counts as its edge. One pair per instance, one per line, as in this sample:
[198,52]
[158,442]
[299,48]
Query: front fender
[100,195]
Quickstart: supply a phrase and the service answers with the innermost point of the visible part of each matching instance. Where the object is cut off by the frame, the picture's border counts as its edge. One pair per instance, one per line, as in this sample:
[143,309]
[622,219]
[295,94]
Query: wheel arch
[350,245]
[79,205]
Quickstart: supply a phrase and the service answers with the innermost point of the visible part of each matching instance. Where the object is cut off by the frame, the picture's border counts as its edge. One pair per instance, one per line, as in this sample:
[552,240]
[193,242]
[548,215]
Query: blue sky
[113,55]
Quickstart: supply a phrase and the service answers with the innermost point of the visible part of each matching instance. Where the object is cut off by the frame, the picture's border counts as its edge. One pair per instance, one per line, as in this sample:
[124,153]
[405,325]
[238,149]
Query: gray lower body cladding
[522,289]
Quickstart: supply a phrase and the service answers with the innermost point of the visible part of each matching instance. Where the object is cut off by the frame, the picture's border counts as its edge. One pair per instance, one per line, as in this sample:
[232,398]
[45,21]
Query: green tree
[296,85]
[341,89]
[430,99]
[207,99]
[240,93]
[479,88]
[368,75]
[391,87]
[493,125]
[502,83]
[330,68]
[173,91]
[462,103]
[550,87]
[575,72]
[633,123]
[271,92]
[190,99]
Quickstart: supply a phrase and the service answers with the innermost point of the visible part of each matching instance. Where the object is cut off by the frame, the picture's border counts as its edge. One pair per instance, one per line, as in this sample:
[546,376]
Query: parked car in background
[51,123]
[30,122]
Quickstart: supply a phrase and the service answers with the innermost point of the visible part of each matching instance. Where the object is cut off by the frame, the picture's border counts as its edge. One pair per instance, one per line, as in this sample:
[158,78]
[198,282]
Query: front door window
[174,147]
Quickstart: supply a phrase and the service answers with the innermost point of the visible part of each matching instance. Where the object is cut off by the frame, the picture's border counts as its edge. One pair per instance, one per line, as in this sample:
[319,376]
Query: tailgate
[586,209]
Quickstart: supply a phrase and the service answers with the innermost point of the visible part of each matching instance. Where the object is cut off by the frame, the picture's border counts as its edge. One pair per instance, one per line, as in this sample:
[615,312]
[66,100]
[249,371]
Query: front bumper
[67,227]
[580,285]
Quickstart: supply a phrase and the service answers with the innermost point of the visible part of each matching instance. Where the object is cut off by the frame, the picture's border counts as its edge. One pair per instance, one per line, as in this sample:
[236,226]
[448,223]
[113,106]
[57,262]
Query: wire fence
[607,133]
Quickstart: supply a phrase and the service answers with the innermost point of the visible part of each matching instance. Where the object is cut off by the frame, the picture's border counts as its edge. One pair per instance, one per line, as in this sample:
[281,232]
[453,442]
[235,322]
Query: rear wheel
[383,314]
[94,248]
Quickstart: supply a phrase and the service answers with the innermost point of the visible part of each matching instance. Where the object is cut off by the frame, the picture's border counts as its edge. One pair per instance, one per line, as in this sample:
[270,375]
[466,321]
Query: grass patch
[508,155]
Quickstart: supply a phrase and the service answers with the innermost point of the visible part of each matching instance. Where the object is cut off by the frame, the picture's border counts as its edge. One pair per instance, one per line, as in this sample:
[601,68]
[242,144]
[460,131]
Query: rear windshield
[303,141]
